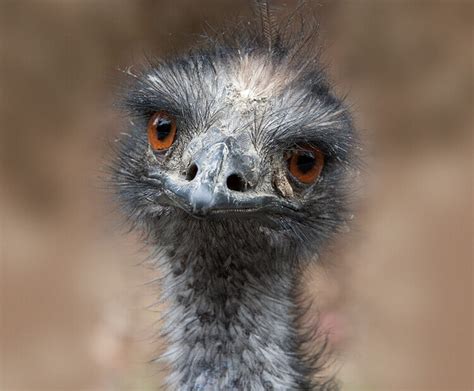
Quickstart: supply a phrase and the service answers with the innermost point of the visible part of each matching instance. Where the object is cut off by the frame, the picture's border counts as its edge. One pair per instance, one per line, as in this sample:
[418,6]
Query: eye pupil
[163,129]
[305,162]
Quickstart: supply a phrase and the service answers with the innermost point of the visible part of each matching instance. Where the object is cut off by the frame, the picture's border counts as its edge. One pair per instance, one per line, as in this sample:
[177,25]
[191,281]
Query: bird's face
[240,142]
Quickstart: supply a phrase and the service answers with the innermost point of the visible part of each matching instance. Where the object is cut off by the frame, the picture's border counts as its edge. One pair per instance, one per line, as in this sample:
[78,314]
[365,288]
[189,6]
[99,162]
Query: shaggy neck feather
[230,322]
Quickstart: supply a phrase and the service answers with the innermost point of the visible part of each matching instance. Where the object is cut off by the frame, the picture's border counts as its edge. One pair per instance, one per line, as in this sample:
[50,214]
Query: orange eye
[161,130]
[306,164]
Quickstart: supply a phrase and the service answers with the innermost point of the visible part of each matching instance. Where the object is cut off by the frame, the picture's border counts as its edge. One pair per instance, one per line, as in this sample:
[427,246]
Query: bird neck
[231,320]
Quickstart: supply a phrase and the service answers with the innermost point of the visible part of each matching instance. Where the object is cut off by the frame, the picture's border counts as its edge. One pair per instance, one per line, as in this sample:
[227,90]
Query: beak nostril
[192,172]
[236,183]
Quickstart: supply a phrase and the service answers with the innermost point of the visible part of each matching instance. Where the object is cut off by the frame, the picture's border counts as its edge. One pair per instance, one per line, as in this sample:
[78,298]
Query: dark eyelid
[141,104]
[323,147]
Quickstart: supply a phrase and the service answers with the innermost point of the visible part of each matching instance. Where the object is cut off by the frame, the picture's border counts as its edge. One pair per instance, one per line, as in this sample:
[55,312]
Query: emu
[235,168]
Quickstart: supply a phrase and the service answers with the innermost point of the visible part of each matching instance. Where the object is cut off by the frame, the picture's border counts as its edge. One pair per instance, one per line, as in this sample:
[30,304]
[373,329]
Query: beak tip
[201,200]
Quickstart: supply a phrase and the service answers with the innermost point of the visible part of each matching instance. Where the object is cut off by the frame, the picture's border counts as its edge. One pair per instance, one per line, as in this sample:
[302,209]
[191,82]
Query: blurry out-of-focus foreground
[73,302]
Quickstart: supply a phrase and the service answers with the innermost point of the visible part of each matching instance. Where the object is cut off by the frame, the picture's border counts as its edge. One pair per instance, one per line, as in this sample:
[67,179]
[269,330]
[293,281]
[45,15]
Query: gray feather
[268,23]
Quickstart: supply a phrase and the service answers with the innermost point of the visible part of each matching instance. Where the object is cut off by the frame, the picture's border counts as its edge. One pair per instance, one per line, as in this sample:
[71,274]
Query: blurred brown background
[73,303]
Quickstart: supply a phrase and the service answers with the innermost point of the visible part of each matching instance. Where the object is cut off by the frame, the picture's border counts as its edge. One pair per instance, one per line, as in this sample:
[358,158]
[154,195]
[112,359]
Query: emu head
[237,138]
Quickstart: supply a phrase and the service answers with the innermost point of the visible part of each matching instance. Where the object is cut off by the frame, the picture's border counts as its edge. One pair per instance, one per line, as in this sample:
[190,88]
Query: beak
[220,179]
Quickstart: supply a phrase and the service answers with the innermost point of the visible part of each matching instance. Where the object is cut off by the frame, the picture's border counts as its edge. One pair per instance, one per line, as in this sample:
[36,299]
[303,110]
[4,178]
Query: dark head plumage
[268,100]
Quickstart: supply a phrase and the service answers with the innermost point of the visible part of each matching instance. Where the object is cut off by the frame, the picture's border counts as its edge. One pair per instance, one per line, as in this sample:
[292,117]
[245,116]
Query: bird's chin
[219,229]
